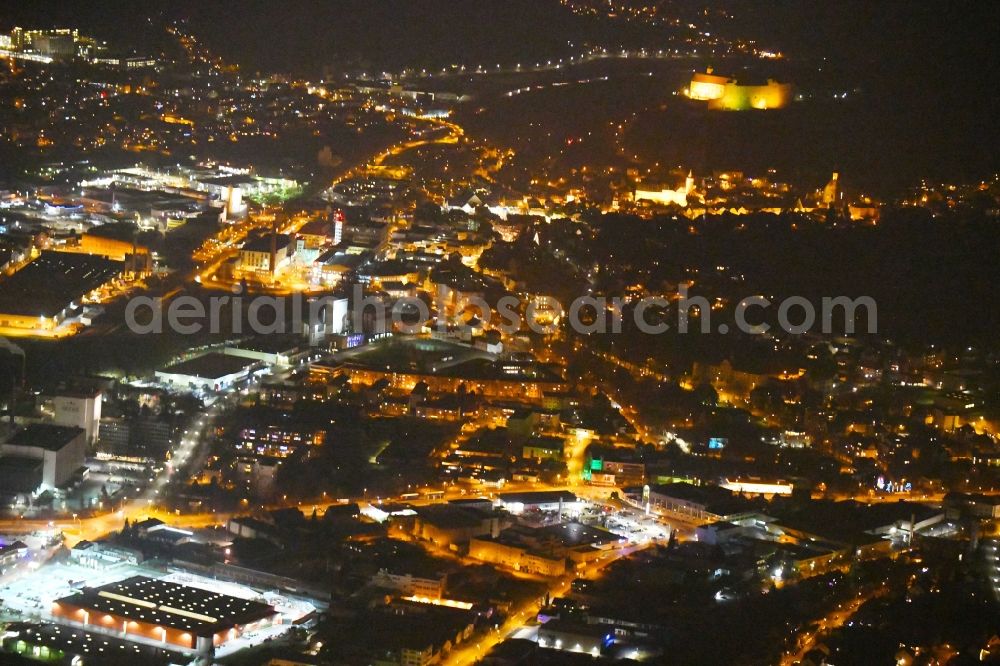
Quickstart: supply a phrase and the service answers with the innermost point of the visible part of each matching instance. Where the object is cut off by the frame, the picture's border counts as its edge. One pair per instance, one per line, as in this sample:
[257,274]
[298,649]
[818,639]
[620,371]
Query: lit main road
[478,647]
[226,245]
[90,528]
[592,55]
[835,619]
[77,529]
[187,453]
[453,135]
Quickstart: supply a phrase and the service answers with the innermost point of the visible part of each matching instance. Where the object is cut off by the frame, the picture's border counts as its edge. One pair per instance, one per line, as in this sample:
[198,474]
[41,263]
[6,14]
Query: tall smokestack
[13,350]
[274,244]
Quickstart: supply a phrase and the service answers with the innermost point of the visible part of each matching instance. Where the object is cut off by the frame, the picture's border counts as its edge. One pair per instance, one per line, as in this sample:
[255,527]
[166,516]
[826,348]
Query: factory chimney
[274,244]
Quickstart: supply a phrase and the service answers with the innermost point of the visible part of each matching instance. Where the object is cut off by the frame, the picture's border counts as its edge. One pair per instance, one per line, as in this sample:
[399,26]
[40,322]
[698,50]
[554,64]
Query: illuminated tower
[830,191]
[338,226]
[234,201]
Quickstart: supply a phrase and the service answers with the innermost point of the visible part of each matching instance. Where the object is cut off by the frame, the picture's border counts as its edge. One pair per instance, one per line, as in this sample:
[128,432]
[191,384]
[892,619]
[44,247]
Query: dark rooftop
[315,228]
[228,181]
[716,500]
[271,344]
[538,497]
[167,604]
[47,285]
[89,645]
[406,625]
[263,243]
[847,521]
[210,366]
[47,436]
[574,534]
[448,516]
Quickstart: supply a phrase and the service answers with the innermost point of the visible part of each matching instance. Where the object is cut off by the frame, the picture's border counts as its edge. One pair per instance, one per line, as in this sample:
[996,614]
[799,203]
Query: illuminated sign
[758,487]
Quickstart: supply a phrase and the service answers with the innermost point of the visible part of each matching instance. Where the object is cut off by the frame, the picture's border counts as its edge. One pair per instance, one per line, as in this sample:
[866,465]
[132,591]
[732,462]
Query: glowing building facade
[728,94]
[707,86]
[665,197]
[171,614]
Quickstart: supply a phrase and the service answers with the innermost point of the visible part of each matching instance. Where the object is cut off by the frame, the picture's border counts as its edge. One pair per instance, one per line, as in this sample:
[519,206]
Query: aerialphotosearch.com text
[267,314]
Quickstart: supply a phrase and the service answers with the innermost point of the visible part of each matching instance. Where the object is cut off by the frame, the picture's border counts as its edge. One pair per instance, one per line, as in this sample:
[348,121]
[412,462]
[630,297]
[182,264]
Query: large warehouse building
[173,614]
[50,289]
[41,455]
[211,372]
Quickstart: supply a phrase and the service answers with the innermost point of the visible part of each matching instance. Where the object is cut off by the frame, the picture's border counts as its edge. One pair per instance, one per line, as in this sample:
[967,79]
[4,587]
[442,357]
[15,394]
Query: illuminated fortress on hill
[728,94]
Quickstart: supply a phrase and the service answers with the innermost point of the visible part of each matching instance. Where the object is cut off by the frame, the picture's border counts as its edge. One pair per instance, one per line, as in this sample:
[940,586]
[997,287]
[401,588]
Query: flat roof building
[697,504]
[174,614]
[539,500]
[44,292]
[545,550]
[211,372]
[448,524]
[63,645]
[592,639]
[271,349]
[61,450]
[103,554]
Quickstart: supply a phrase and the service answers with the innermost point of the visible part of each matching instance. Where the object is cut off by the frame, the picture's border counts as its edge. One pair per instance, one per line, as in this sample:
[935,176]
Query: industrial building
[173,614]
[50,289]
[41,455]
[592,639]
[63,645]
[266,254]
[211,372]
[541,500]
[695,504]
[454,523]
[545,550]
[273,350]
[79,409]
